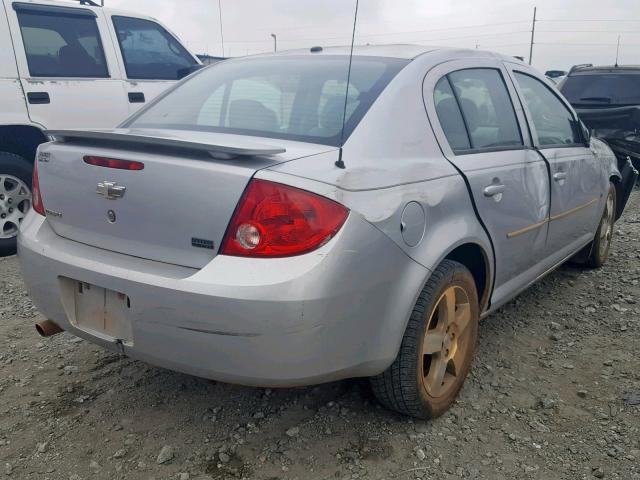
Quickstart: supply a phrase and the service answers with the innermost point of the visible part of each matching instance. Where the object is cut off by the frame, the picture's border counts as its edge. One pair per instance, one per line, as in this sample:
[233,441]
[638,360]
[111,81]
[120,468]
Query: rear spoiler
[221,146]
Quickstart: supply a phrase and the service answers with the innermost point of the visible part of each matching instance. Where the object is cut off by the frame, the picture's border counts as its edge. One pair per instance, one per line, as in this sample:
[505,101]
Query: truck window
[62,45]
[149,51]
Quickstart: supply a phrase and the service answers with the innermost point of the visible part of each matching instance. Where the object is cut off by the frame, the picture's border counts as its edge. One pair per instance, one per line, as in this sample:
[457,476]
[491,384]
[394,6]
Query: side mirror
[183,72]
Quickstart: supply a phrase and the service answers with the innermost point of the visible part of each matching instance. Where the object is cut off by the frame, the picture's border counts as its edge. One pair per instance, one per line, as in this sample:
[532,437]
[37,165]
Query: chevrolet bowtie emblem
[110,190]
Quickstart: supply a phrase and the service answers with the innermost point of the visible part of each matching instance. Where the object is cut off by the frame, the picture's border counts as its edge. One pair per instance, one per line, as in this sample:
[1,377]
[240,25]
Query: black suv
[607,100]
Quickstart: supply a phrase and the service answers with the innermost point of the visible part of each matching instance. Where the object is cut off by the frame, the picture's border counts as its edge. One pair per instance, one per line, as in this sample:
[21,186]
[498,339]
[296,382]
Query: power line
[308,27]
[589,44]
[479,35]
[507,45]
[613,32]
[497,35]
[408,32]
[589,20]
[442,29]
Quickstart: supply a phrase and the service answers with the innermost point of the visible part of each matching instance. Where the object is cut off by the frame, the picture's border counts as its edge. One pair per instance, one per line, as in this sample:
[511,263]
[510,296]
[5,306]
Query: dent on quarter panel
[450,219]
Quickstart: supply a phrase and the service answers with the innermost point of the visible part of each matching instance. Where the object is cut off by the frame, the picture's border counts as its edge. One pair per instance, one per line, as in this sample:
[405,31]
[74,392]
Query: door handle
[493,190]
[136,97]
[558,177]
[38,98]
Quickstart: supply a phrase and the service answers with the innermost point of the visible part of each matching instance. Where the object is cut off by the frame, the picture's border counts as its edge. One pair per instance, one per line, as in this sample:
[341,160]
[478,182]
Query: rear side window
[553,121]
[149,51]
[450,117]
[475,110]
[61,44]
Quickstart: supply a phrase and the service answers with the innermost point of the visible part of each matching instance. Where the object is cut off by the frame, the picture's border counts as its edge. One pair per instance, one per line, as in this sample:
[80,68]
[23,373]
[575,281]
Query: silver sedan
[238,229]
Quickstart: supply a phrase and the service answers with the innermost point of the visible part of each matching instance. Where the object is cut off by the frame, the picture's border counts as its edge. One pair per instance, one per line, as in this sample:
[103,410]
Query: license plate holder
[99,311]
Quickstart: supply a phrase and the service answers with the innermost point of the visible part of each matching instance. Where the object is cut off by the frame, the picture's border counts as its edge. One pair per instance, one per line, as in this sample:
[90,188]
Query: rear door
[576,179]
[152,58]
[67,66]
[479,129]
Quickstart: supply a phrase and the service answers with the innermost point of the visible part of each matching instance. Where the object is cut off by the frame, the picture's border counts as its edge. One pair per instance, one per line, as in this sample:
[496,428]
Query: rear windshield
[607,89]
[294,98]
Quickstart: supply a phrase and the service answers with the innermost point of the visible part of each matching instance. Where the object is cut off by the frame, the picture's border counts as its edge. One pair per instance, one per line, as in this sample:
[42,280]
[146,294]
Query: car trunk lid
[175,210]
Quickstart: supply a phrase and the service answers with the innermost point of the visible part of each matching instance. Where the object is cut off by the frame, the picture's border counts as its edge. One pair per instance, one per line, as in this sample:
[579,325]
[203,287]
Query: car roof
[400,51]
[589,70]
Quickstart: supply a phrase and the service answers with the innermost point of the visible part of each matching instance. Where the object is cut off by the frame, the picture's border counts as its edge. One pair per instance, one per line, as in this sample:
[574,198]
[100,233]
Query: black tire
[18,167]
[402,387]
[601,244]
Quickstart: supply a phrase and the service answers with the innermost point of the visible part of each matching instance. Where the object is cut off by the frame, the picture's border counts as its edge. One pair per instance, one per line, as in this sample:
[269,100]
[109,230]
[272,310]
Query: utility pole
[275,42]
[221,34]
[618,51]
[533,34]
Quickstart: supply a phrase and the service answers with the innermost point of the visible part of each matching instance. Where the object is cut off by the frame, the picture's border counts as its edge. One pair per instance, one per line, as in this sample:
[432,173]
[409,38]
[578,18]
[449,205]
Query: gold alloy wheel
[606,229]
[446,342]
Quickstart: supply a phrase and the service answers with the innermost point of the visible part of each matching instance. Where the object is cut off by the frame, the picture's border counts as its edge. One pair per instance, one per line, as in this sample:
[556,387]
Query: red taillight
[275,220]
[113,163]
[36,196]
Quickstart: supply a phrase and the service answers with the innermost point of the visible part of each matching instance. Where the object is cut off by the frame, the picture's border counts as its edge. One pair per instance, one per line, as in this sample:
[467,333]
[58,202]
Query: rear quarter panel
[449,216]
[392,158]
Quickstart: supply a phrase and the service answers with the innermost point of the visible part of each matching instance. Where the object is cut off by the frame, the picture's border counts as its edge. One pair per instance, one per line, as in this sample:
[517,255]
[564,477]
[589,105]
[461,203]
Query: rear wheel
[438,346]
[15,198]
[602,242]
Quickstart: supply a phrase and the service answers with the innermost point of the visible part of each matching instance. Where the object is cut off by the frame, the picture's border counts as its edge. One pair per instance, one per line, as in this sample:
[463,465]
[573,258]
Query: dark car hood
[618,126]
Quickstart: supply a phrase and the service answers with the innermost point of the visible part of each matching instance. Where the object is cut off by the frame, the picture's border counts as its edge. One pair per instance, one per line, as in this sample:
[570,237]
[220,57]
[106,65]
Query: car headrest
[75,58]
[331,114]
[252,115]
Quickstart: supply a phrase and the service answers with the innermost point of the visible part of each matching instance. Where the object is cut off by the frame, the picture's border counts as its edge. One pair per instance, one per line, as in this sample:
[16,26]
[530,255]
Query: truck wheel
[438,346]
[15,198]
[599,251]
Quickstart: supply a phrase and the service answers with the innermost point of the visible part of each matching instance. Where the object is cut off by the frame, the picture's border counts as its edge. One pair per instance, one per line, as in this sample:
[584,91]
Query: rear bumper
[335,313]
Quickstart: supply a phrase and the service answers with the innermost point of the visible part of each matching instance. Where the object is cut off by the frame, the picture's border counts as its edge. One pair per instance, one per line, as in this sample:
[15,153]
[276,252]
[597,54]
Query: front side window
[552,120]
[61,45]
[149,51]
[297,98]
[475,110]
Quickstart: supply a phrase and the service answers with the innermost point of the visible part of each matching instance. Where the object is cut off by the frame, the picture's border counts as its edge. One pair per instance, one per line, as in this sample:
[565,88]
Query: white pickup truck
[71,64]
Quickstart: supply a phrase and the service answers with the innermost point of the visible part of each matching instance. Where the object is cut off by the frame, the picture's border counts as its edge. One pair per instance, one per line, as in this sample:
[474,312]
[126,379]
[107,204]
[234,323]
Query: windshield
[606,89]
[296,98]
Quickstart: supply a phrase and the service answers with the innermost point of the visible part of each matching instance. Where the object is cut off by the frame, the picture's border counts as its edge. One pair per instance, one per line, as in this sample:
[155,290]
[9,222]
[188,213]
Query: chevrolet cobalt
[238,229]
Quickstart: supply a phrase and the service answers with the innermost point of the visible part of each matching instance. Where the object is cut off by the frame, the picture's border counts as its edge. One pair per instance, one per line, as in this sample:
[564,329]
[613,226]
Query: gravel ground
[550,396]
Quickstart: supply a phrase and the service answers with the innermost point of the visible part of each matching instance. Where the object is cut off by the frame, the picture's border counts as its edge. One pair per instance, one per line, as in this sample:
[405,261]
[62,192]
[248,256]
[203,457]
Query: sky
[568,32]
